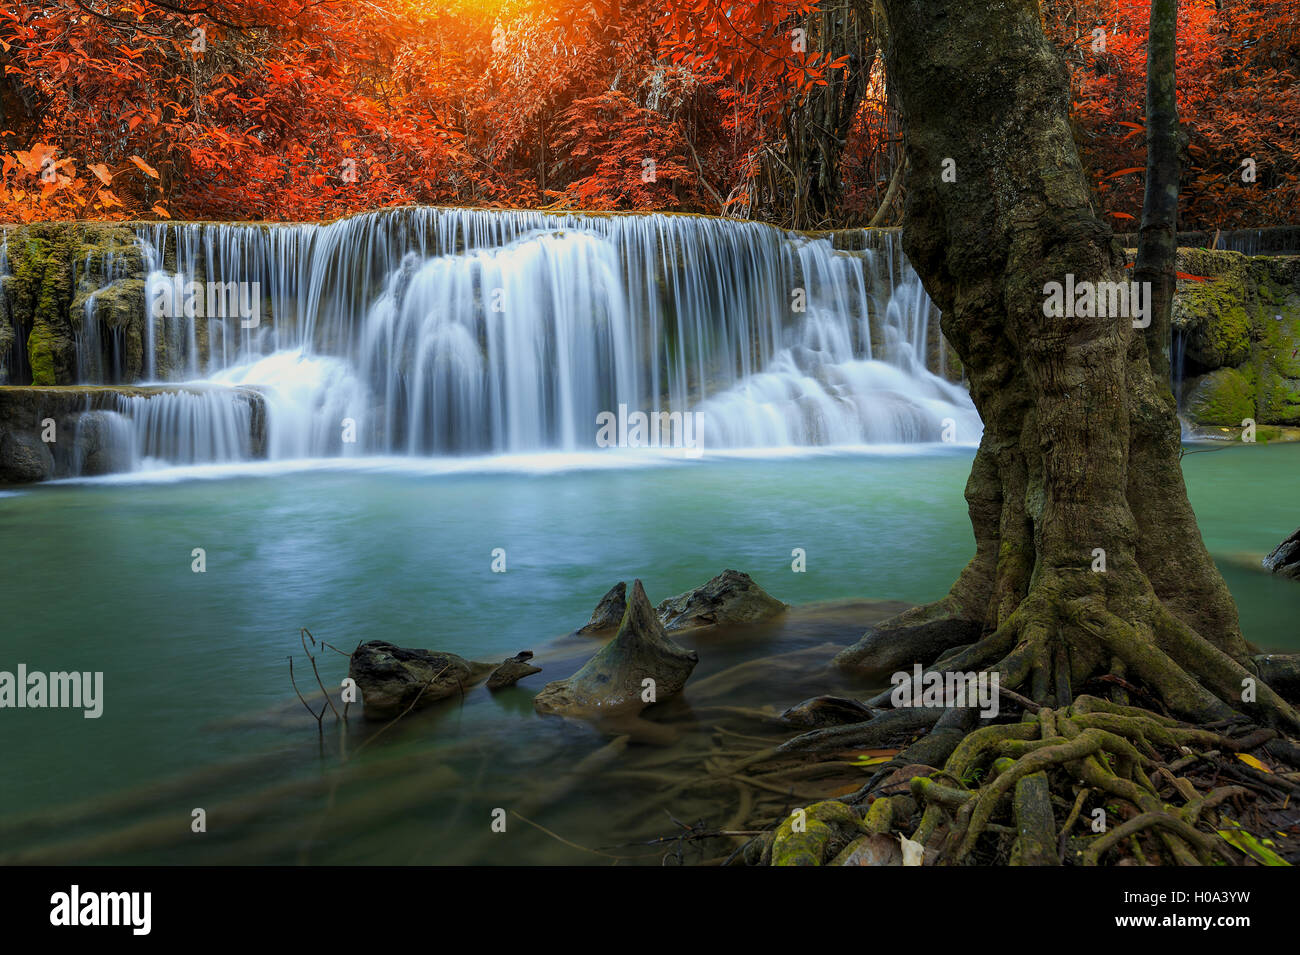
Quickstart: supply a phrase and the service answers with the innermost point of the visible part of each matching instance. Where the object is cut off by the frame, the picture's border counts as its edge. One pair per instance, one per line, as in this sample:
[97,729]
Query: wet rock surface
[393,678]
[609,612]
[614,680]
[512,671]
[1285,558]
[731,597]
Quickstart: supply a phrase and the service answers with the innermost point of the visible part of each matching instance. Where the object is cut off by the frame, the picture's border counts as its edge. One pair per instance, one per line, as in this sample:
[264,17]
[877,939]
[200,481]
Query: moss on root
[1091,783]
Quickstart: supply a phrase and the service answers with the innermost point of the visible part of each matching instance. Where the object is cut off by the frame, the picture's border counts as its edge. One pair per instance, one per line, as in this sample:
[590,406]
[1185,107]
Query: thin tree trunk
[1158,235]
[881,217]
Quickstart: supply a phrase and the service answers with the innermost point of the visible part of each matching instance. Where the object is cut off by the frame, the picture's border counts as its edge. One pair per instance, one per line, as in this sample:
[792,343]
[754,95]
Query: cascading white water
[187,427]
[91,350]
[437,331]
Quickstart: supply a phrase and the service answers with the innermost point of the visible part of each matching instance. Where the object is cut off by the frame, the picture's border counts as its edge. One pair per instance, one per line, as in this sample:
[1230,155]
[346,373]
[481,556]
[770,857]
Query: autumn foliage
[1238,100]
[775,109]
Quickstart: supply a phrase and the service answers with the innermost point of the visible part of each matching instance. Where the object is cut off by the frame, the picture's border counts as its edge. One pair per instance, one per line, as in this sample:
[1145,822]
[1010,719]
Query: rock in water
[512,671]
[609,612]
[611,681]
[1281,671]
[1285,559]
[730,597]
[826,711]
[390,677]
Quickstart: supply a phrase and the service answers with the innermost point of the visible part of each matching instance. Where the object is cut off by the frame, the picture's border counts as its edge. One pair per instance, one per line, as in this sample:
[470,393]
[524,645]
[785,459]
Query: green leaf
[1239,838]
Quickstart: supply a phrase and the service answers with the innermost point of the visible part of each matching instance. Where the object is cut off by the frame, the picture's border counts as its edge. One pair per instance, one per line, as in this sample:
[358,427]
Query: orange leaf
[157,207]
[144,167]
[101,172]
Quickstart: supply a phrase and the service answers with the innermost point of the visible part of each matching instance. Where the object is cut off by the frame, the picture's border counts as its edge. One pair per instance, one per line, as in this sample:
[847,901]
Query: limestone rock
[1285,559]
[609,612]
[1281,671]
[512,671]
[24,457]
[731,597]
[391,678]
[611,681]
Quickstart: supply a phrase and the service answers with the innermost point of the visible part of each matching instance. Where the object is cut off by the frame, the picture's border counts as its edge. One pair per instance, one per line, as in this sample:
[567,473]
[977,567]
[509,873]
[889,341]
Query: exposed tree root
[1080,778]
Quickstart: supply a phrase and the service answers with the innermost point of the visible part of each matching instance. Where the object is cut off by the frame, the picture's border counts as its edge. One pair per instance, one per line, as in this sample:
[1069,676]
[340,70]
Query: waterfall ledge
[71,430]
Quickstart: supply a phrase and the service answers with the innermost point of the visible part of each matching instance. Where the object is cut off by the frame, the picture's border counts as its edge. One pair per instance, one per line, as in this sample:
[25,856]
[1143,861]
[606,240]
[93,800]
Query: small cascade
[209,425]
[311,401]
[428,331]
[105,442]
[15,347]
[91,350]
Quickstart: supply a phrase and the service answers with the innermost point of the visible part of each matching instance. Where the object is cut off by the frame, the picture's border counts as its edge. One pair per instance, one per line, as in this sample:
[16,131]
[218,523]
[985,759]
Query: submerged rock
[730,597]
[512,671]
[1281,671]
[392,678]
[826,711]
[612,681]
[1285,559]
[609,612]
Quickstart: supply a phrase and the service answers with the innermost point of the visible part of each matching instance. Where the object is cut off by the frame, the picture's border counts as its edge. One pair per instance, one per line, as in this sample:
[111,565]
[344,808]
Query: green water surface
[99,577]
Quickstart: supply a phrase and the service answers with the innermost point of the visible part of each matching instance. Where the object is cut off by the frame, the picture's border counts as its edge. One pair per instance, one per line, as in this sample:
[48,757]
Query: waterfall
[197,426]
[93,364]
[429,331]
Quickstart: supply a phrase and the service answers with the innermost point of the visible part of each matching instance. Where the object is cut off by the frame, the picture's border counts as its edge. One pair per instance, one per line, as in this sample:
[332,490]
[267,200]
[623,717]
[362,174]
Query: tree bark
[1158,235]
[1079,459]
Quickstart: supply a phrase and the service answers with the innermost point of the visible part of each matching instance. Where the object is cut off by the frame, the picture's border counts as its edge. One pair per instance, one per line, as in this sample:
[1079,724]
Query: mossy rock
[1225,396]
[50,265]
[1278,398]
[119,305]
[1212,315]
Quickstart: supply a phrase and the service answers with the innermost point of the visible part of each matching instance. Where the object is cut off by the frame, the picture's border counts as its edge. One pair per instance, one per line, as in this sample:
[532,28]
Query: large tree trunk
[1080,451]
